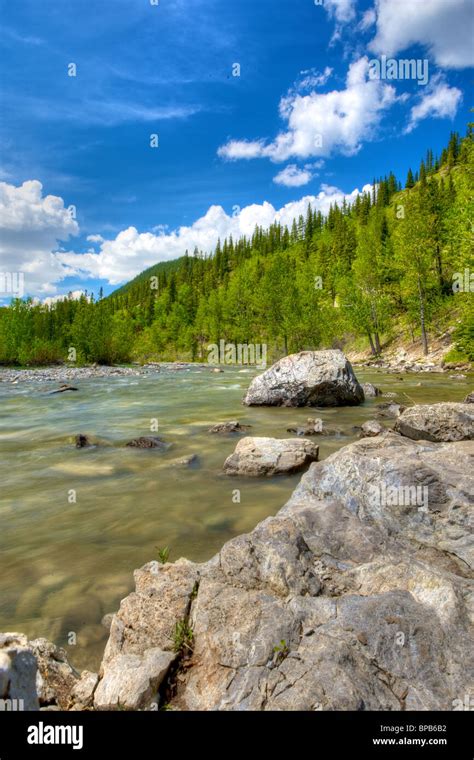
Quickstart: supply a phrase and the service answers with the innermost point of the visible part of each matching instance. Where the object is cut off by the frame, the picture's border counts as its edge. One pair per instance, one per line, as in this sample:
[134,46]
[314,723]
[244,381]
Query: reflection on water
[65,564]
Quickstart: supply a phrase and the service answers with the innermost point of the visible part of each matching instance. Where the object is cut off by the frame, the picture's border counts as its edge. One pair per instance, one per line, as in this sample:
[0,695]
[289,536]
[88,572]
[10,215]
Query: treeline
[385,263]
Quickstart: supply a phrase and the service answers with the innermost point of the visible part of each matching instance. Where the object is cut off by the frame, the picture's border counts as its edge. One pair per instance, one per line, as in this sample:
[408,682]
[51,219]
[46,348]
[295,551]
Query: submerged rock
[63,389]
[437,422]
[270,456]
[186,461]
[148,442]
[314,426]
[82,441]
[233,426]
[310,378]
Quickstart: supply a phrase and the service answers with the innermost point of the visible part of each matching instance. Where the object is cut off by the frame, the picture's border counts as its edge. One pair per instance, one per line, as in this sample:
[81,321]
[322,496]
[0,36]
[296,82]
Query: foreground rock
[310,378]
[270,456]
[354,597]
[233,426]
[39,674]
[437,422]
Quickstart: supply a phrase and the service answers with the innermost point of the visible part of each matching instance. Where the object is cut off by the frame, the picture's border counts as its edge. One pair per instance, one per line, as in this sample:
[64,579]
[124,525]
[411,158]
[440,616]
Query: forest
[397,261]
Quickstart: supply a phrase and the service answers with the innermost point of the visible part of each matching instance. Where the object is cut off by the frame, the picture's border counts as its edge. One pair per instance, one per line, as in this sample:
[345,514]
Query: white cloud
[95,239]
[439,101]
[320,124]
[445,27]
[73,295]
[313,78]
[342,10]
[292,176]
[30,227]
[368,19]
[130,252]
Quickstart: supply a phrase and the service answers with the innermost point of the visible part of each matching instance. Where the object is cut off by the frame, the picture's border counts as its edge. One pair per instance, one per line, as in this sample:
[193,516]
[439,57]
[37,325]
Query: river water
[65,564]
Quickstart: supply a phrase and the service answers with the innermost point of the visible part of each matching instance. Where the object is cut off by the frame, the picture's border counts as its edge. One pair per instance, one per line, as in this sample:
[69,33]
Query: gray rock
[82,694]
[469,398]
[370,390]
[437,422]
[270,456]
[342,601]
[371,428]
[232,426]
[389,410]
[310,378]
[18,671]
[131,681]
[186,461]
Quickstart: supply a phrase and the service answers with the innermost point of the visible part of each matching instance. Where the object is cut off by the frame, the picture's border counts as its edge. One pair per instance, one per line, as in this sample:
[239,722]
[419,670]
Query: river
[67,560]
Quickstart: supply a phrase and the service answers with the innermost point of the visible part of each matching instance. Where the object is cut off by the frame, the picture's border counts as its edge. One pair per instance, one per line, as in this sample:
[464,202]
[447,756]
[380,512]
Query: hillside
[395,263]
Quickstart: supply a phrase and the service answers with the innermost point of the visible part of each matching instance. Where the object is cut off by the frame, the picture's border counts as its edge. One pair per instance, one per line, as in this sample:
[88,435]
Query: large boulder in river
[347,599]
[270,456]
[310,378]
[437,422]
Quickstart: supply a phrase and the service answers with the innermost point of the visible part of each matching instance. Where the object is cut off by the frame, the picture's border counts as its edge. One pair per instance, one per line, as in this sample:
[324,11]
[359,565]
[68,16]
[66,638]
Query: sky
[132,130]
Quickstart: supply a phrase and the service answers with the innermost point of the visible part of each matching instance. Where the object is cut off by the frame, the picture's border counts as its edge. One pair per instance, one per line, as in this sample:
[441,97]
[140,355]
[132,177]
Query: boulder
[371,428]
[437,422]
[270,456]
[131,681]
[342,601]
[310,378]
[233,426]
[389,410]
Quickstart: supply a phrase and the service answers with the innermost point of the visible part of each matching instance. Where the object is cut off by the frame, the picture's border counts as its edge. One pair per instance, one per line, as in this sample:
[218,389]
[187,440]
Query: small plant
[281,651]
[163,555]
[183,637]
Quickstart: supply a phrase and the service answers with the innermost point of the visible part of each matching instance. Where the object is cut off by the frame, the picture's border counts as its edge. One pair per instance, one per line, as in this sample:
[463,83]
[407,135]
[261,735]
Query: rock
[217,369]
[106,621]
[82,441]
[36,672]
[83,691]
[63,389]
[314,426]
[270,456]
[391,410]
[186,461]
[370,390]
[371,428]
[339,602]
[469,398]
[148,442]
[437,422]
[233,426]
[131,681]
[460,376]
[18,671]
[310,378]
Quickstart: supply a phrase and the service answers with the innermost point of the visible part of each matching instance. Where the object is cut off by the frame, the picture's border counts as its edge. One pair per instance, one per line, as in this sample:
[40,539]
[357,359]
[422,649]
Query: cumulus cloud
[444,26]
[320,124]
[30,227]
[74,295]
[440,101]
[293,176]
[131,251]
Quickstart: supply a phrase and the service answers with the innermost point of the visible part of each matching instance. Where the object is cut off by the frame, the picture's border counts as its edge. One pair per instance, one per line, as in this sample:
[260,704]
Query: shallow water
[64,565]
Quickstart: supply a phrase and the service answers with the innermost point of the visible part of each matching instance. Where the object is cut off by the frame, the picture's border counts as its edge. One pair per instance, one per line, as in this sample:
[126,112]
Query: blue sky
[303,120]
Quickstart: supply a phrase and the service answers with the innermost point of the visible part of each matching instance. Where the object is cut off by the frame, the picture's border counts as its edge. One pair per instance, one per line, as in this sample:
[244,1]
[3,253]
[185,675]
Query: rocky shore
[357,595]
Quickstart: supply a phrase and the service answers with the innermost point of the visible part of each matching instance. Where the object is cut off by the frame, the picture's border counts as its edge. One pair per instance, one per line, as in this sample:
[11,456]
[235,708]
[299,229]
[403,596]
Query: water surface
[64,564]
